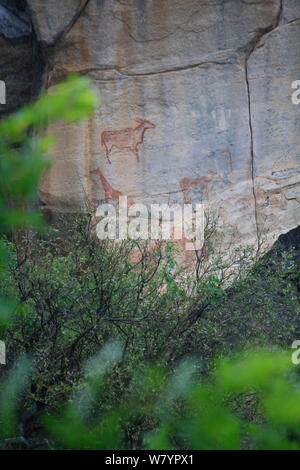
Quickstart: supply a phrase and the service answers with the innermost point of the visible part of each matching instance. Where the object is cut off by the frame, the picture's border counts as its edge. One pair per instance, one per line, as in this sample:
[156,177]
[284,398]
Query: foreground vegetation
[108,351]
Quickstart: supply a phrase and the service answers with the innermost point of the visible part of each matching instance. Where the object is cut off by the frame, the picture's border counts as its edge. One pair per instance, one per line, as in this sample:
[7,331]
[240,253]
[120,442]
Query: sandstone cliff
[213,77]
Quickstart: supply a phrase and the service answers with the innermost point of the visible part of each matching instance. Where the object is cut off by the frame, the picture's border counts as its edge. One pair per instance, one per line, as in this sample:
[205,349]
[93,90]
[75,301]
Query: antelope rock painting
[110,194]
[126,139]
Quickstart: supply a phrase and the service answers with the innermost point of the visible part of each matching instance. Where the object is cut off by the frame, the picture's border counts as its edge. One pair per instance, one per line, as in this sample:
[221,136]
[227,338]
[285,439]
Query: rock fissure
[72,23]
[120,71]
[252,46]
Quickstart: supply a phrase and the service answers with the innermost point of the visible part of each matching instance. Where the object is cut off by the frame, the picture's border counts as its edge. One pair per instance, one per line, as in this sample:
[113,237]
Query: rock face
[18,55]
[275,128]
[52,18]
[212,78]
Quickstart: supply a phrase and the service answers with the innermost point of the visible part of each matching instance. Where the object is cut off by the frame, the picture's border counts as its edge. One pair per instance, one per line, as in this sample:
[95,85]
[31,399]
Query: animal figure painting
[110,194]
[126,139]
[186,185]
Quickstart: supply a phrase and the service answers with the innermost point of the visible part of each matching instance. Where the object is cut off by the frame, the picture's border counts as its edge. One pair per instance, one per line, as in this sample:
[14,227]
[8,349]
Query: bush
[74,293]
[64,295]
[175,410]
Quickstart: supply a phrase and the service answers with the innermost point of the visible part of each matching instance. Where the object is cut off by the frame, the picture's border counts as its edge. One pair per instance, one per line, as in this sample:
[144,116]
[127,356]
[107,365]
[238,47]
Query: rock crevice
[250,49]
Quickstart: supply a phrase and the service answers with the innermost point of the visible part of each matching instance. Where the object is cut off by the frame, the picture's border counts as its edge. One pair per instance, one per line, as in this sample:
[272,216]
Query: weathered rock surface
[14,21]
[52,18]
[18,55]
[290,10]
[275,124]
[213,76]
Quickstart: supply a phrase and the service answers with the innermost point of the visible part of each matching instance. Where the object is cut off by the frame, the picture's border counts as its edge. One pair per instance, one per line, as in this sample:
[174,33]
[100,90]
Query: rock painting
[126,139]
[186,185]
[110,194]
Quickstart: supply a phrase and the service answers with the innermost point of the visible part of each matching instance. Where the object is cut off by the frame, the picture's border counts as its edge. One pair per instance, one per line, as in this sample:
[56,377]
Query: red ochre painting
[186,185]
[126,139]
[110,194]
[131,139]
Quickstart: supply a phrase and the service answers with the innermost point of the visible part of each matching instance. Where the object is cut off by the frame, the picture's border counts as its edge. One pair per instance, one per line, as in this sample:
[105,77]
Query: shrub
[64,295]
